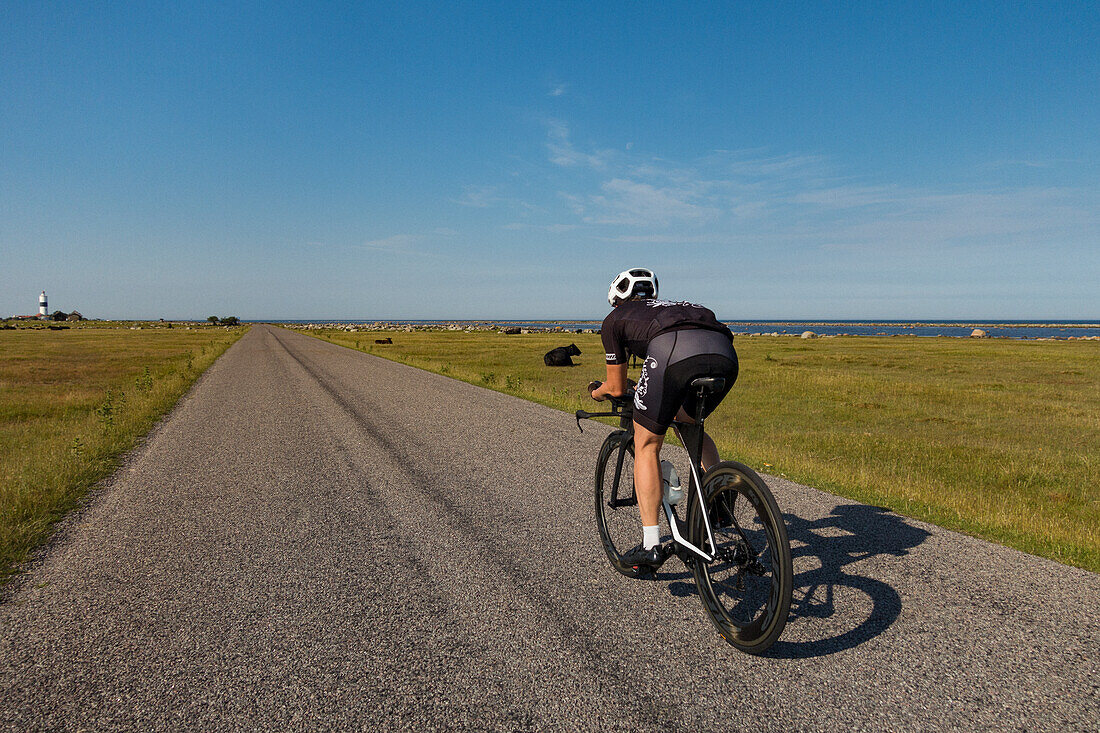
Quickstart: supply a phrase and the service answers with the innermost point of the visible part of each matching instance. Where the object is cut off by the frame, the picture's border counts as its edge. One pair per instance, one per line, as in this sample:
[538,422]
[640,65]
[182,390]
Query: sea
[995,329]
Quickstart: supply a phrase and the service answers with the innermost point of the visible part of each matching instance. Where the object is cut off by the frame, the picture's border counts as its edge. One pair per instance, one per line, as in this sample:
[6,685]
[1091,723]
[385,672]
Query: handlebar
[621,407]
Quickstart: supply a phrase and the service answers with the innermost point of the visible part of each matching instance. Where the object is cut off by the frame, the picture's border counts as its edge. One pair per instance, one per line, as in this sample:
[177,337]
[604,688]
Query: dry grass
[998,438]
[72,402]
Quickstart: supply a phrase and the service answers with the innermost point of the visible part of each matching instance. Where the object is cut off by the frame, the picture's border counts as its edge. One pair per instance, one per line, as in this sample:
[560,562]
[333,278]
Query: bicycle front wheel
[617,517]
[746,590]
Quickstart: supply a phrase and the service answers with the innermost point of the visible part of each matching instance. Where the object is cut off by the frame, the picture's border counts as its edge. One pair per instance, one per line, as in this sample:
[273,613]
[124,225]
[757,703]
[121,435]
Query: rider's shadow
[837,610]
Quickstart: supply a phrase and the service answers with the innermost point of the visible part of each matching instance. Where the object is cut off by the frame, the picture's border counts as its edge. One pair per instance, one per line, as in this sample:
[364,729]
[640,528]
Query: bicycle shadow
[843,610]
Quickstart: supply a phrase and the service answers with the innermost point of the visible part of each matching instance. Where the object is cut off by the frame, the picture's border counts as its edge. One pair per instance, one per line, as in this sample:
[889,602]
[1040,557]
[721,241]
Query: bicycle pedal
[640,572]
[681,552]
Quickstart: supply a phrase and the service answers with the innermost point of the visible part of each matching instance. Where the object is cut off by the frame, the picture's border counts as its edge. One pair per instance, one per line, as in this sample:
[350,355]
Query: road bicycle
[727,528]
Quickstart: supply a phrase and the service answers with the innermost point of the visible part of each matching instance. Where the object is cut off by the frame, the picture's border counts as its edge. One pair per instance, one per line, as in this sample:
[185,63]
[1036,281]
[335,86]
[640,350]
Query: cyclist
[677,342]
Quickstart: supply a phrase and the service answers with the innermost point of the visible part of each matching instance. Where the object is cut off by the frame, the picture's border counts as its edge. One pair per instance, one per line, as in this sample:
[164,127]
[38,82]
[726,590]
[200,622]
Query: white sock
[651,537]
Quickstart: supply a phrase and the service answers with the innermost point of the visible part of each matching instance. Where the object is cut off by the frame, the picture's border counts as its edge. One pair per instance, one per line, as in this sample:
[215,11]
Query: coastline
[1023,330]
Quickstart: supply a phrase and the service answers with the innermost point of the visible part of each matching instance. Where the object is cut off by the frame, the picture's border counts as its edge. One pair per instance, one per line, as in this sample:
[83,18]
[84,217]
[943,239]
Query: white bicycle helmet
[632,282]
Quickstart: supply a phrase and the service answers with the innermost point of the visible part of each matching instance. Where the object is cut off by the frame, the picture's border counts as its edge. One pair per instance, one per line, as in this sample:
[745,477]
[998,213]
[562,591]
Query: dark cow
[383,341]
[561,355]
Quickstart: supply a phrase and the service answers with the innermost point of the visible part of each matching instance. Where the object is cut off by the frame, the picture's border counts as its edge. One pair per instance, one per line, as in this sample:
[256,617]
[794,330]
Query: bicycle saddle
[708,384]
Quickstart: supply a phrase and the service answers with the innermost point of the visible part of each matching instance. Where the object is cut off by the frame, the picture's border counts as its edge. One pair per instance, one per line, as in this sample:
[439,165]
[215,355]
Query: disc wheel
[746,590]
[617,515]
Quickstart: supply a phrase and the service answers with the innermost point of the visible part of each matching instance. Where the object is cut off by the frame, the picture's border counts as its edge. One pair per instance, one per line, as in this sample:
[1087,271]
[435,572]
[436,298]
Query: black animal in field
[561,356]
[383,341]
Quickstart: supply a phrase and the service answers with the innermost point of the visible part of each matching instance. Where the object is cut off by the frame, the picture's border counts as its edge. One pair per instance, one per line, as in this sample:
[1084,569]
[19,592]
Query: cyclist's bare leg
[710,450]
[647,473]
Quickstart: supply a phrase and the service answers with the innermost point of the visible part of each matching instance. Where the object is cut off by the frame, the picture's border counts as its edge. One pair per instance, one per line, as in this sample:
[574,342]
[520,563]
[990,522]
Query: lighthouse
[43,308]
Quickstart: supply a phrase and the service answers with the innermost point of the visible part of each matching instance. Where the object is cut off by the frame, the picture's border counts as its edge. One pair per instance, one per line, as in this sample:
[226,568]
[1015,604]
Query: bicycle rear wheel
[746,590]
[617,515]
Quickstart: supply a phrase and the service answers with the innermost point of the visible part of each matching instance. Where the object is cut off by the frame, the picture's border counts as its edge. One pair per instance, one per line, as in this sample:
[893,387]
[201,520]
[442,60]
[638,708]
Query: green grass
[997,438]
[73,401]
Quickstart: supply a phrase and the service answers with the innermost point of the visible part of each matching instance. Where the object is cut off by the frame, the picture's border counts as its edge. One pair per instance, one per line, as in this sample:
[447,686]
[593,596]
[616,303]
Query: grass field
[73,401]
[997,438]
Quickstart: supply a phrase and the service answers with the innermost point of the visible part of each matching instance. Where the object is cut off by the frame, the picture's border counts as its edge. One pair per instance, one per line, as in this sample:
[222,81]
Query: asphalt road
[318,538]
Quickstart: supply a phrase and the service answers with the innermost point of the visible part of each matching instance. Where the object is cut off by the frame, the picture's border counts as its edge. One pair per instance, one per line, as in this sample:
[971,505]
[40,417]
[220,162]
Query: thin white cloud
[408,244]
[480,197]
[764,201]
[558,90]
[781,166]
[636,203]
[555,228]
[1031,163]
[665,239]
[909,219]
[564,153]
[397,243]
[487,197]
[849,196]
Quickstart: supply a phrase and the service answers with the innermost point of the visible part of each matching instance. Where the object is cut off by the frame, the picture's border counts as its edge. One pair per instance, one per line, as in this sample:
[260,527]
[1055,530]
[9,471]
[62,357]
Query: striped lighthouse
[43,307]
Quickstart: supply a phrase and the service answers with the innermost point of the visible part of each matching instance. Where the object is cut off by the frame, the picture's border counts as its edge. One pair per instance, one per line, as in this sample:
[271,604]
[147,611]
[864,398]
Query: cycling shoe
[645,561]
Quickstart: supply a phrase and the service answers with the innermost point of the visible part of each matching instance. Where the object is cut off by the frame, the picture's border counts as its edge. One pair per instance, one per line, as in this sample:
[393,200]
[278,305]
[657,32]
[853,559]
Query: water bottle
[671,483]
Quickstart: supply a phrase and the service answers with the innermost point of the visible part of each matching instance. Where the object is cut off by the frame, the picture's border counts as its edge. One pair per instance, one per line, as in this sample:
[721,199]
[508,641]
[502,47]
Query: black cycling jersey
[632,325]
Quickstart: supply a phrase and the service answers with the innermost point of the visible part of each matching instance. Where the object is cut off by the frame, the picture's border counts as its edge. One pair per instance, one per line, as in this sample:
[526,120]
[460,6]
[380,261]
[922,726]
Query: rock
[978,333]
[809,335]
[510,329]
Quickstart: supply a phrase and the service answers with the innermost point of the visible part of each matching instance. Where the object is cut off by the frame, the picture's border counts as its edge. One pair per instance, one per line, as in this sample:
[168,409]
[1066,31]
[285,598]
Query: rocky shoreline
[466,326]
[977,330]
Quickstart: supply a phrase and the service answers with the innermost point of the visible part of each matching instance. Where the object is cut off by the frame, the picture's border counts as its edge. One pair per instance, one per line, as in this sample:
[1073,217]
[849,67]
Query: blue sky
[481,160]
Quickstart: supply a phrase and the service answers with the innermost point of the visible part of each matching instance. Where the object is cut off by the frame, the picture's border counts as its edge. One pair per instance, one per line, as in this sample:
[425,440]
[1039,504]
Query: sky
[505,160]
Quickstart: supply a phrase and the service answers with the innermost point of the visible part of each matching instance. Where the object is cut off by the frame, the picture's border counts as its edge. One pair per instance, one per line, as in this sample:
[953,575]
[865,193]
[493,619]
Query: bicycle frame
[674,525]
[625,413]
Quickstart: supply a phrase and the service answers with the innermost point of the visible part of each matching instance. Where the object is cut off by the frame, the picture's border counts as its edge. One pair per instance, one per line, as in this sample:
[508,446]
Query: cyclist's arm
[615,385]
[615,355]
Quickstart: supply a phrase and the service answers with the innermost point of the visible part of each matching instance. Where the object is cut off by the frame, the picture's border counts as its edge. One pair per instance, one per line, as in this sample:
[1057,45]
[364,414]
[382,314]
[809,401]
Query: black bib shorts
[672,360]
